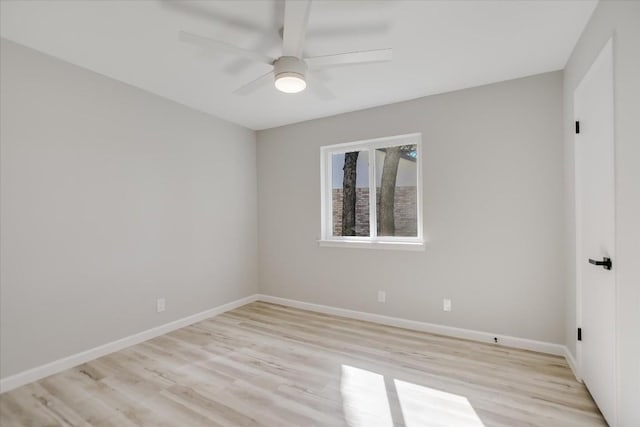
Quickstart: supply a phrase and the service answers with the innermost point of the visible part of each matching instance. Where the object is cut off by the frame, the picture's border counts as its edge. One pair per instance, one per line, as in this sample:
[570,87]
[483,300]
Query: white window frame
[373,241]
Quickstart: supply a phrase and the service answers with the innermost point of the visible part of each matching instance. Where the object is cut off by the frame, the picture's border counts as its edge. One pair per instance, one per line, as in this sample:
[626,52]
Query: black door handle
[605,263]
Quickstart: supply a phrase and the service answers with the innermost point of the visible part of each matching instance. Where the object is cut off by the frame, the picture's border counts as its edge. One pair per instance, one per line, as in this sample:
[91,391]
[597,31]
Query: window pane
[350,193]
[396,179]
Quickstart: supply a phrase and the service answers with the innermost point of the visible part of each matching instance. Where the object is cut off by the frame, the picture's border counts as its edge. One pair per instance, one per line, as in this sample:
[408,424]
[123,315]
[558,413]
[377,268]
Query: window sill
[373,244]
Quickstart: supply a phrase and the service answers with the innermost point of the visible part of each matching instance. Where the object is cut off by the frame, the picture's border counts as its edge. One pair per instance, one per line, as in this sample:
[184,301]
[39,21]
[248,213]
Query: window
[372,193]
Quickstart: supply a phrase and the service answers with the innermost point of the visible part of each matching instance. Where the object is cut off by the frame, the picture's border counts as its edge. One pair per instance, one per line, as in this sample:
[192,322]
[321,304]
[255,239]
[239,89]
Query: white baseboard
[39,372]
[572,363]
[469,334]
[34,374]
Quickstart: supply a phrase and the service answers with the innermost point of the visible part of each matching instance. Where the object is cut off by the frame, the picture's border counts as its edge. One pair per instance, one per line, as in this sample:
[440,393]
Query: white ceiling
[439,46]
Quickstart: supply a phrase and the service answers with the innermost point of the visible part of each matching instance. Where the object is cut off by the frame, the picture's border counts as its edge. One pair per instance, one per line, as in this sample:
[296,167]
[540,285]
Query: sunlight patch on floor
[424,406]
[368,401]
[364,398]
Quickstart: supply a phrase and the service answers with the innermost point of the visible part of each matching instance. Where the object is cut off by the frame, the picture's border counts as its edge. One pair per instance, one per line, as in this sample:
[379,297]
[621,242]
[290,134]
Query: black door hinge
[577,126]
[579,334]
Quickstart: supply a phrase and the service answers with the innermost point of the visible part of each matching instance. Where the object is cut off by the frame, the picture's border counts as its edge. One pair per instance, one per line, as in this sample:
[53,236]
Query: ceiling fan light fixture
[289,82]
[289,74]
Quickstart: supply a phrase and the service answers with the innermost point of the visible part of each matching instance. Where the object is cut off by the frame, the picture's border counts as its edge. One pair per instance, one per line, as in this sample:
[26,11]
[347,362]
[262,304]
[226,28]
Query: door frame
[606,51]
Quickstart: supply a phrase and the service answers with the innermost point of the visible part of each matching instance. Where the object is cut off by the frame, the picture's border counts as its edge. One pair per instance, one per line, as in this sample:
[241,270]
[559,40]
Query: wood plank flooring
[269,365]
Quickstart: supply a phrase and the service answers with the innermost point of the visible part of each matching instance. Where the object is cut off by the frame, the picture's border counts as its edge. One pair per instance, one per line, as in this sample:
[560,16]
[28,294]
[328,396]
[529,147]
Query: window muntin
[397,213]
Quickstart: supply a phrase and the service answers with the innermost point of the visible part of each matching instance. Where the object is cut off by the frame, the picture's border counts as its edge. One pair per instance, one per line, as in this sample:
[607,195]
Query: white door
[595,209]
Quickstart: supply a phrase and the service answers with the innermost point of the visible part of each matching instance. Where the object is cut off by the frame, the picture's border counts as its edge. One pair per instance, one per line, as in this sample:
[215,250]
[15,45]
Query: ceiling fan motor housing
[289,66]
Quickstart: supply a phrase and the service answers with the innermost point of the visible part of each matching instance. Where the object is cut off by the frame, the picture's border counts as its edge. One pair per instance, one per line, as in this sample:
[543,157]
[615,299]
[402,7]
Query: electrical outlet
[382,296]
[446,304]
[161,305]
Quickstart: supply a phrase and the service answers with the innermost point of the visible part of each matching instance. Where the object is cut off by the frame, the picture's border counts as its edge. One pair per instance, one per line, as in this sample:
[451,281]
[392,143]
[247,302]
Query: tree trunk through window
[388,191]
[349,194]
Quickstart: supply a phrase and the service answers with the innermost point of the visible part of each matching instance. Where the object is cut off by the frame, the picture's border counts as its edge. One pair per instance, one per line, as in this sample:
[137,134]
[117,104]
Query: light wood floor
[265,364]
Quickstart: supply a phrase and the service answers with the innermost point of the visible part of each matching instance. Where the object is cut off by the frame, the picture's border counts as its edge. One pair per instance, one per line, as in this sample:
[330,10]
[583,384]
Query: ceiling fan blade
[340,31]
[207,43]
[365,56]
[240,64]
[318,87]
[256,84]
[207,11]
[296,16]
[269,38]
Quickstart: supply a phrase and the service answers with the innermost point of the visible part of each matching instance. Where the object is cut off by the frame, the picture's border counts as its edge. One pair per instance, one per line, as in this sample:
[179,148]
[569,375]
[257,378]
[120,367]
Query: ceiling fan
[291,72]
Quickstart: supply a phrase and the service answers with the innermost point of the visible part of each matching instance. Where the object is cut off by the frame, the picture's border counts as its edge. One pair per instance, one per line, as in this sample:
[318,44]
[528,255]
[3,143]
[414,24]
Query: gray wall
[112,197]
[622,21]
[493,192]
